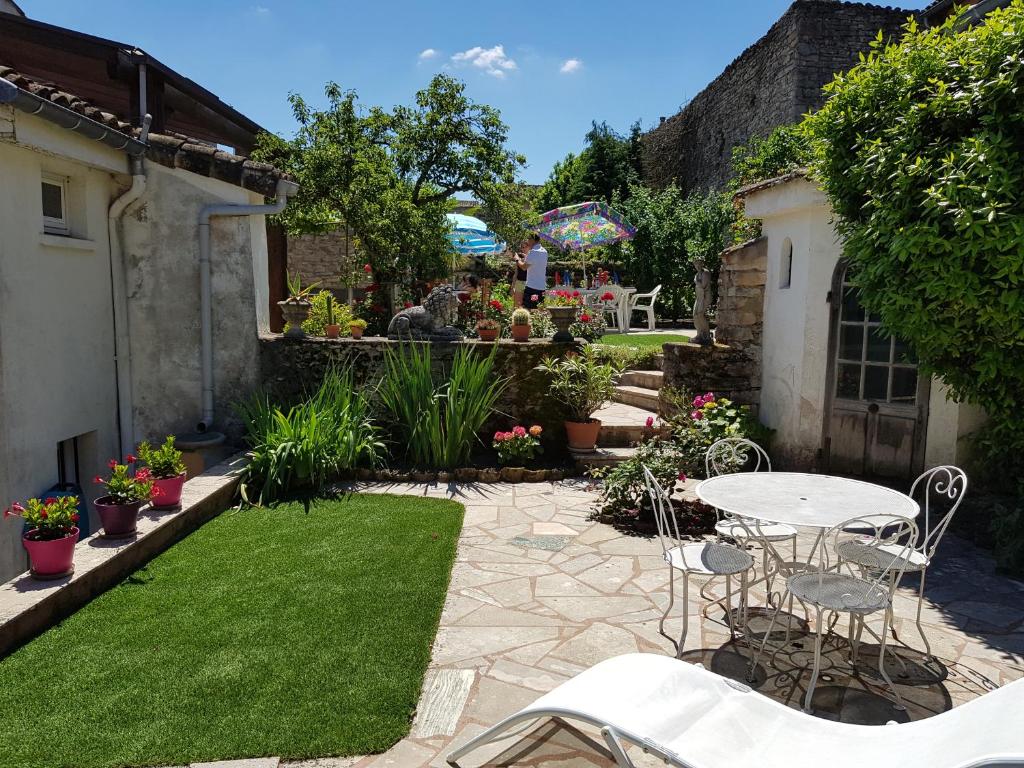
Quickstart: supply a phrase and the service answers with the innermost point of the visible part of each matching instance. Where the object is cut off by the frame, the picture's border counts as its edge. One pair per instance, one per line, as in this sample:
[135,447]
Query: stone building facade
[774,82]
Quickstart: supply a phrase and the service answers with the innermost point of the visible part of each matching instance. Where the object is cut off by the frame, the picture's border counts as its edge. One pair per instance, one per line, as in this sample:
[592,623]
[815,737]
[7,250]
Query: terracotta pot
[167,492]
[332,331]
[467,474]
[490,475]
[119,520]
[52,558]
[521,332]
[512,474]
[562,318]
[583,434]
[294,313]
[535,475]
[487,334]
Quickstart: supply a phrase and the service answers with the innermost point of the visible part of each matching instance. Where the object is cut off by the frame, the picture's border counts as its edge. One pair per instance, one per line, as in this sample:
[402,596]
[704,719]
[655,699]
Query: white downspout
[119,290]
[285,189]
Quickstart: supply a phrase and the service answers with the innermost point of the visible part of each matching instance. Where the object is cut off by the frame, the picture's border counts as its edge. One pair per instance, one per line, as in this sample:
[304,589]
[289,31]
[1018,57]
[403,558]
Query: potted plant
[51,535]
[518,445]
[562,306]
[296,307]
[583,385]
[332,330]
[167,470]
[521,325]
[487,329]
[126,493]
[357,326]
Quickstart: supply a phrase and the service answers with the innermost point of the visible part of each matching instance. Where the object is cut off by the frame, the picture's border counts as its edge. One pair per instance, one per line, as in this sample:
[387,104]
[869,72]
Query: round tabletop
[802,500]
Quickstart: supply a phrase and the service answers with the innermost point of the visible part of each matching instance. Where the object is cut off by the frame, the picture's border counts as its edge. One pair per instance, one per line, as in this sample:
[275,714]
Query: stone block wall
[329,259]
[774,82]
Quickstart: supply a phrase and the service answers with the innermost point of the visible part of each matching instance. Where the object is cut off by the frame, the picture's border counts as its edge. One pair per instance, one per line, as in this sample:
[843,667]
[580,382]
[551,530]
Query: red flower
[495,304]
[498,436]
[607,296]
[44,514]
[575,294]
[74,517]
[408,304]
[7,512]
[97,479]
[112,463]
[367,268]
[584,318]
[682,477]
[50,500]
[130,459]
[649,422]
[534,297]
[18,509]
[697,415]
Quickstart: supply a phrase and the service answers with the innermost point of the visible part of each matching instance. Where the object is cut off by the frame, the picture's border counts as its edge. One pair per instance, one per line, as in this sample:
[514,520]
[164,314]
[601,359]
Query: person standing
[536,263]
[518,277]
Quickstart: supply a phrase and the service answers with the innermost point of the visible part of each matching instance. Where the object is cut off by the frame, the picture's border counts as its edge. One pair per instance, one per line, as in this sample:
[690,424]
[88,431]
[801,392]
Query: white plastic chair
[635,306]
[707,558]
[612,310]
[692,718]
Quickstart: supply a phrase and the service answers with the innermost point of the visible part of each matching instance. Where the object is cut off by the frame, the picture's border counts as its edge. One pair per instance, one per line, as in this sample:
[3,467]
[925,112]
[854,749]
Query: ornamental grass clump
[436,422]
[311,443]
[47,520]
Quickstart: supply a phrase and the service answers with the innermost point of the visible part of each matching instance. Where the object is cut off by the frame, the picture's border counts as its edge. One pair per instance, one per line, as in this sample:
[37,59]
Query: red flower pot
[51,558]
[487,334]
[119,520]
[583,434]
[167,492]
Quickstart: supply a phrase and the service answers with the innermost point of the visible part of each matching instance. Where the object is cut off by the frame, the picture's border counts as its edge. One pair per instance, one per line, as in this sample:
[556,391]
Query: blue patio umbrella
[470,236]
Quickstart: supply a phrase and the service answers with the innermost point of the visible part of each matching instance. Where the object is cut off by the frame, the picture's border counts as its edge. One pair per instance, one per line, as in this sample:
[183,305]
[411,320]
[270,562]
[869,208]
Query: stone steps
[623,425]
[602,457]
[638,397]
[646,379]
[659,361]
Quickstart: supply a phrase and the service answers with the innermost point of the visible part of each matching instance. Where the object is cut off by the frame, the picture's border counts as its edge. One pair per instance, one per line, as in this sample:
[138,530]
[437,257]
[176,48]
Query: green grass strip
[269,631]
[641,339]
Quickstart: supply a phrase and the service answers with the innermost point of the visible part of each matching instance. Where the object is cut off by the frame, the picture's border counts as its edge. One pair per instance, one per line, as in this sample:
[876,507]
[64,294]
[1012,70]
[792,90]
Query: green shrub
[626,357]
[436,424]
[580,382]
[785,149]
[309,444]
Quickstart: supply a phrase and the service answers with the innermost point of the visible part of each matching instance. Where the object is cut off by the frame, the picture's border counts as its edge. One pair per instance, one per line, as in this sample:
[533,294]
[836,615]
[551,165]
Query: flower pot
[295,313]
[467,474]
[512,474]
[562,318]
[357,331]
[534,475]
[119,520]
[332,331]
[521,332]
[167,492]
[487,334]
[51,558]
[583,434]
[490,475]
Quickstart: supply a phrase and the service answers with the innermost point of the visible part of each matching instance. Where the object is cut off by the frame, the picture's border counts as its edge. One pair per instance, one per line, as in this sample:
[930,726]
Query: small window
[55,204]
[786,264]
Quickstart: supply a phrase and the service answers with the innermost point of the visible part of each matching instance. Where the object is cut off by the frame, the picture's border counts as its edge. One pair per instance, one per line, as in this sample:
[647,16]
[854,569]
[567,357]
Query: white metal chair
[636,306]
[941,490]
[692,718]
[874,550]
[612,310]
[707,558]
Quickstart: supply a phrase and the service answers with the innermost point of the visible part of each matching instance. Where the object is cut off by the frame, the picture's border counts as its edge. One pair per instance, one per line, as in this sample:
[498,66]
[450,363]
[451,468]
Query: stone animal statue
[431,320]
[701,304]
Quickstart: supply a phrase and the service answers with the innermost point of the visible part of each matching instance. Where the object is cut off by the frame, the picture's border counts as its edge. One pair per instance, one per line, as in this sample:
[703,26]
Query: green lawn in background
[266,632]
[641,339]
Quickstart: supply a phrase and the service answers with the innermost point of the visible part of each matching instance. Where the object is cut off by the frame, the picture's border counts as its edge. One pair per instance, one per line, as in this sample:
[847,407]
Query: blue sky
[549,67]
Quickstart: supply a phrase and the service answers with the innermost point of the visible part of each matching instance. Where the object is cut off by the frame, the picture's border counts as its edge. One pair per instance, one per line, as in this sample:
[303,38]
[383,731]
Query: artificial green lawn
[641,339]
[265,632]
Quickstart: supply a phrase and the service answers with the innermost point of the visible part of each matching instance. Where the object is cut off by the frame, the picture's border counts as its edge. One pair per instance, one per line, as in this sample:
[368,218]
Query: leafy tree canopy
[785,149]
[390,176]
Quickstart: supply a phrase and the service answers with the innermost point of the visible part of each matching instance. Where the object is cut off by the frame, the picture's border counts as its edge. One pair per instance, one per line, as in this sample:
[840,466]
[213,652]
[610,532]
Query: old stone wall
[291,368]
[774,82]
[329,259]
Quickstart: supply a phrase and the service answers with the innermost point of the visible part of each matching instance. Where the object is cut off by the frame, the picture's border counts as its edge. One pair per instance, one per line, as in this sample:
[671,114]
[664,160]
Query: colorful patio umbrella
[582,226]
[470,236]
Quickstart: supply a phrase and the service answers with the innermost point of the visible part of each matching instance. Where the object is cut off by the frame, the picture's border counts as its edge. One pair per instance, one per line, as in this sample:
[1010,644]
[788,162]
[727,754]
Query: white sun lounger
[693,718]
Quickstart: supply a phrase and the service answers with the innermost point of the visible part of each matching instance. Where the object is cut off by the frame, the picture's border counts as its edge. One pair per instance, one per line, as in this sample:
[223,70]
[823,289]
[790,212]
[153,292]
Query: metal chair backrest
[664,515]
[886,543]
[942,489]
[735,454]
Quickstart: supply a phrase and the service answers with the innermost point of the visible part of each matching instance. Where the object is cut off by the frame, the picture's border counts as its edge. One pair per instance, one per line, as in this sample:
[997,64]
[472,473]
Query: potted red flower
[52,534]
[127,491]
[167,470]
[562,306]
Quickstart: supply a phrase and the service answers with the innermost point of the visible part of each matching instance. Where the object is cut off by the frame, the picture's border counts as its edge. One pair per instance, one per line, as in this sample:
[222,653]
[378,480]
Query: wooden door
[877,406]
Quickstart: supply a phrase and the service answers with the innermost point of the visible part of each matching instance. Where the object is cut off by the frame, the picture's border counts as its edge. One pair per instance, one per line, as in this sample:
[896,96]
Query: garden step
[623,425]
[639,397]
[602,457]
[646,379]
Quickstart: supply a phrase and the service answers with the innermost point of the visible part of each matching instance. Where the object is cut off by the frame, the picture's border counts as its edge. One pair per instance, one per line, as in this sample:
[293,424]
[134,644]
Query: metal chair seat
[759,530]
[709,559]
[839,592]
[877,557]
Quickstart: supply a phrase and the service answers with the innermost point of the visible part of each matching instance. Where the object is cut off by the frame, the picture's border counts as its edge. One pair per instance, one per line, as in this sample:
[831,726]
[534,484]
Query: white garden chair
[636,306]
[612,310]
[709,559]
[692,718]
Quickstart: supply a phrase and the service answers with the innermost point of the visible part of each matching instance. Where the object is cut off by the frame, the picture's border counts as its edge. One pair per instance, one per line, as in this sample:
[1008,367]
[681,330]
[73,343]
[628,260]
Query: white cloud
[428,53]
[259,10]
[571,65]
[493,61]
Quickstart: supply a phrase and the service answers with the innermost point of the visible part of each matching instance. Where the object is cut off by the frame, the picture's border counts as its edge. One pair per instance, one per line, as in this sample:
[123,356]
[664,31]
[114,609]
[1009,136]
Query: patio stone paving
[540,592]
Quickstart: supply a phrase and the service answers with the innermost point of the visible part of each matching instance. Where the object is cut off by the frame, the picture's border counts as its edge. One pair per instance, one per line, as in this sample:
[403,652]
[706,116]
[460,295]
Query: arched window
[786,264]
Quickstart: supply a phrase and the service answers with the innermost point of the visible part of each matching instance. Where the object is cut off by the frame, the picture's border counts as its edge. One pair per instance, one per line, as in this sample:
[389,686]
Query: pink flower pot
[51,558]
[167,492]
[119,520]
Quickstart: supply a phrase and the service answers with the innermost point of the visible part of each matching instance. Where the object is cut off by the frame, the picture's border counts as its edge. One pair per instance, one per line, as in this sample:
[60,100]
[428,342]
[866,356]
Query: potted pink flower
[167,470]
[518,445]
[127,491]
[51,536]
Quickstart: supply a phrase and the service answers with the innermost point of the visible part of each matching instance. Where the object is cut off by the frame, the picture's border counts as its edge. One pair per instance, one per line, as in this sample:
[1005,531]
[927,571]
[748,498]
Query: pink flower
[698,401]
[697,415]
[632,512]
[112,463]
[507,436]
[129,459]
[682,477]
[499,436]
[367,268]
[534,297]
[649,422]
[519,431]
[97,479]
[709,396]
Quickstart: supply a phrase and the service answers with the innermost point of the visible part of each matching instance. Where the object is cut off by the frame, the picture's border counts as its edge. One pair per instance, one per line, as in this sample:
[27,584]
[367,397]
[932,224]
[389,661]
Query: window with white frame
[55,204]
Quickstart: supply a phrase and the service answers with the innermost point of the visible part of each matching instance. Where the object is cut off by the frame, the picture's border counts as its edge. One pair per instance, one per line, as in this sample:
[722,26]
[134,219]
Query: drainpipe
[285,189]
[119,289]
